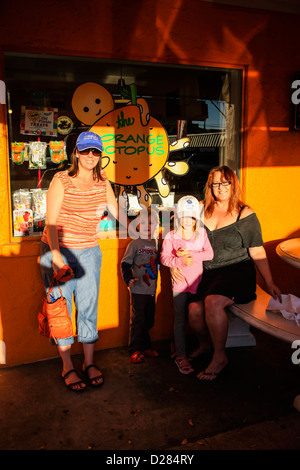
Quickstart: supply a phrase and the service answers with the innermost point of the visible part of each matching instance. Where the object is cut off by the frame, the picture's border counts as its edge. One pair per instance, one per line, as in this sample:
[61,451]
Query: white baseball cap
[188,206]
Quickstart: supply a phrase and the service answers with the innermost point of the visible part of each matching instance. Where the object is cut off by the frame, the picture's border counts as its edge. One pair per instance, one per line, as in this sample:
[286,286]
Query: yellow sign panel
[132,152]
[136,146]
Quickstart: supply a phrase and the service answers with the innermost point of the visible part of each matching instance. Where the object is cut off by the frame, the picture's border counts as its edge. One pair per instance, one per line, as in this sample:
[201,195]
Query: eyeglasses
[223,183]
[95,152]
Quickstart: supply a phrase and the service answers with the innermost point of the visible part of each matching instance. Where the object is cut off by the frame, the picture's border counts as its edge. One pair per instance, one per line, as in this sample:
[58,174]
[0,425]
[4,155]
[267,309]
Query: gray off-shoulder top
[230,244]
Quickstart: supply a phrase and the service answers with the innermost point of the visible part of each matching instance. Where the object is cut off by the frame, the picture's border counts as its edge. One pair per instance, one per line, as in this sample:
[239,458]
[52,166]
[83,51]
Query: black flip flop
[214,375]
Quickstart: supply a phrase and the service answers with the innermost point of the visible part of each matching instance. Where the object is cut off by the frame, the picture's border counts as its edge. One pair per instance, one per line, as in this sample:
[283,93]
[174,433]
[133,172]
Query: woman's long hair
[235,202]
[73,170]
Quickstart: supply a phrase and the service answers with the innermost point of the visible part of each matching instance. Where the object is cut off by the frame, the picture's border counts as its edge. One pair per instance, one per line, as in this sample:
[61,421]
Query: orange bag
[54,320]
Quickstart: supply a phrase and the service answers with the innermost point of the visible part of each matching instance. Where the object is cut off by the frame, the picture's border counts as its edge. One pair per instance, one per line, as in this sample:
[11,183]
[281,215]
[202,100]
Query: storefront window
[201,103]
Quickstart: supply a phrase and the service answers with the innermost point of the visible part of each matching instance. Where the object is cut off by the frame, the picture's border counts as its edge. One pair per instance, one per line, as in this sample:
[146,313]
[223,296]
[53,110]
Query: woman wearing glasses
[235,235]
[75,202]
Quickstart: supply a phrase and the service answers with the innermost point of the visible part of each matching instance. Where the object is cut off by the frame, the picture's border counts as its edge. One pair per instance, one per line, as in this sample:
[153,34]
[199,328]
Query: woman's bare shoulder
[246,211]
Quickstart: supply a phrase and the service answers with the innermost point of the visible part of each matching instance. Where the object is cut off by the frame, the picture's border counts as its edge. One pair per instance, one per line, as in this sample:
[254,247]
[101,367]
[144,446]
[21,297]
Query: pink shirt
[200,249]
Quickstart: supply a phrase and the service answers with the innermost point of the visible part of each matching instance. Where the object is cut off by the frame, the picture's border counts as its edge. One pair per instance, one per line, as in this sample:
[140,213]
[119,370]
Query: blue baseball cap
[89,140]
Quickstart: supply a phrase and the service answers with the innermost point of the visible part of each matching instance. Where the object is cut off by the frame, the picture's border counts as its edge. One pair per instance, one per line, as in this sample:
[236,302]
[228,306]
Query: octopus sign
[135,144]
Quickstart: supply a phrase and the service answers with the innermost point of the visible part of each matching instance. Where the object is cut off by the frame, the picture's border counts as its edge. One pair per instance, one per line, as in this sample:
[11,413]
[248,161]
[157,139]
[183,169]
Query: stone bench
[255,314]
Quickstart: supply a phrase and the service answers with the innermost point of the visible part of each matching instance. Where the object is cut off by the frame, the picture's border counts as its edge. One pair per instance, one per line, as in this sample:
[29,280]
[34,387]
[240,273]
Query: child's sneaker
[150,353]
[137,357]
[183,365]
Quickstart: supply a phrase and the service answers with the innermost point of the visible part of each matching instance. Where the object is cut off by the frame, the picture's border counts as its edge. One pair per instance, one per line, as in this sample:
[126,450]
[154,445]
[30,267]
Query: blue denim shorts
[86,264]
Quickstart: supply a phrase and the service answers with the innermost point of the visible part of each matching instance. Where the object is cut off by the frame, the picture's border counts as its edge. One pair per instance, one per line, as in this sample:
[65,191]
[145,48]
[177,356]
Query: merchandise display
[29,205]
[17,152]
[57,151]
[22,213]
[29,211]
[37,155]
[39,208]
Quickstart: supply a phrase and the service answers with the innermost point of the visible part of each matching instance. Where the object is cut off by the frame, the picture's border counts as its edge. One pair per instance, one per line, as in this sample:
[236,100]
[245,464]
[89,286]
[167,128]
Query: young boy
[139,271]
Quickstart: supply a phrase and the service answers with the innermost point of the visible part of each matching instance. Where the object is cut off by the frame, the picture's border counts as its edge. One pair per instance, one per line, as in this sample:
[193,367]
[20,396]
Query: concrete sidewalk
[151,406]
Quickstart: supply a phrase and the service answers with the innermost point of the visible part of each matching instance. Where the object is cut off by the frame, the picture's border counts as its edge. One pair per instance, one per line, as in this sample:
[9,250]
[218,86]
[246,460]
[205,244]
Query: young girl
[185,247]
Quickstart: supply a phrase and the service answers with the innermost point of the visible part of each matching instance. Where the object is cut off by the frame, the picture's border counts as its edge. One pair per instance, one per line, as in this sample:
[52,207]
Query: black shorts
[236,281]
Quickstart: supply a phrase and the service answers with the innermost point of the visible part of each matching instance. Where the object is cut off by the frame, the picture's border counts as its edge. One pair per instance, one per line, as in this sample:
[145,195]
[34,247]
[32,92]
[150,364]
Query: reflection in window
[201,103]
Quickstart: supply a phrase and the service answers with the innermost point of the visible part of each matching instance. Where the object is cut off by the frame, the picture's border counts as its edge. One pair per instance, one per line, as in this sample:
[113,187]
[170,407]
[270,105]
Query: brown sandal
[93,380]
[72,386]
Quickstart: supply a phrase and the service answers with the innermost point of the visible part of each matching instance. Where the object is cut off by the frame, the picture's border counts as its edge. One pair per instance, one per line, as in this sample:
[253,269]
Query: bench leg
[2,352]
[238,333]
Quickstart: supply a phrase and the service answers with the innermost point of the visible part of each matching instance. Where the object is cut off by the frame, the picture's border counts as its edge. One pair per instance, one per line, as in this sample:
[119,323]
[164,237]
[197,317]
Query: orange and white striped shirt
[80,214]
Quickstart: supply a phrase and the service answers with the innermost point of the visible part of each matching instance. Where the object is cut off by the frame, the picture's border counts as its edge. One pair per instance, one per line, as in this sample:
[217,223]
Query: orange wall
[21,293]
[264,43]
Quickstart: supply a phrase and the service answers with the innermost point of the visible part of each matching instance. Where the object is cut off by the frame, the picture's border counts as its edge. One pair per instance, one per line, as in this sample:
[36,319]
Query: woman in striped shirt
[75,202]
